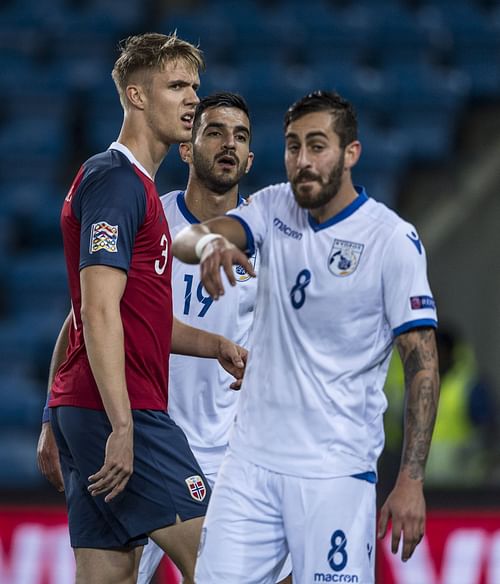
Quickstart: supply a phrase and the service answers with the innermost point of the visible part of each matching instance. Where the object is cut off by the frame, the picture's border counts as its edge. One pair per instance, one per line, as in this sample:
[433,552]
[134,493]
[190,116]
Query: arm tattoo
[420,361]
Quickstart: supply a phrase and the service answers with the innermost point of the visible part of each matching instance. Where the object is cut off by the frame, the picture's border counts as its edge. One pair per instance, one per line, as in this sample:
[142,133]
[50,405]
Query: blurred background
[424,76]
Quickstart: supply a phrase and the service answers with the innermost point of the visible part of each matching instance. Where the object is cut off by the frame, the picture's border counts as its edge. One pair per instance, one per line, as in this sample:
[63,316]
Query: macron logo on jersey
[413,237]
[283,227]
[421,302]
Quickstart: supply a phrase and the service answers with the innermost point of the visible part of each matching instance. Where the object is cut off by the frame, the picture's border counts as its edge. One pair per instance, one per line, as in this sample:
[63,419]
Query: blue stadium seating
[22,402]
[18,467]
[37,281]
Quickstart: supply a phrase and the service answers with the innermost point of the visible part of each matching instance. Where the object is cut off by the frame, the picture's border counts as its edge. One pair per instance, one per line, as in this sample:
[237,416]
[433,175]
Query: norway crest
[344,257]
[196,487]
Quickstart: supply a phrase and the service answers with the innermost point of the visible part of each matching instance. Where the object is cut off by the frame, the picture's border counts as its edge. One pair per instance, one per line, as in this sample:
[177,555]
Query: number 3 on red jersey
[159,269]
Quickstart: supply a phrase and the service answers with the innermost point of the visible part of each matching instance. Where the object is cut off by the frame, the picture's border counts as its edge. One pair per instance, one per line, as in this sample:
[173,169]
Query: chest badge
[240,273]
[344,257]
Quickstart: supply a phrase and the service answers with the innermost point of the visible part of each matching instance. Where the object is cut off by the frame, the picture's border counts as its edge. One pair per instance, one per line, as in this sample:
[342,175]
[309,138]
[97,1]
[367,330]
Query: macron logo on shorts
[103,237]
[196,487]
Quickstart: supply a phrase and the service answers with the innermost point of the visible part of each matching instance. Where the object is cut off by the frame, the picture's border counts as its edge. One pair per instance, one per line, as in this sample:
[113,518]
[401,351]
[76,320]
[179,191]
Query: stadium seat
[18,465]
[37,280]
[22,402]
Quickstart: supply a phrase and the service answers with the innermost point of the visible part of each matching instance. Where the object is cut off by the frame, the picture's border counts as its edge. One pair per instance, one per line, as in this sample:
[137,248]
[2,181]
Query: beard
[218,182]
[329,188]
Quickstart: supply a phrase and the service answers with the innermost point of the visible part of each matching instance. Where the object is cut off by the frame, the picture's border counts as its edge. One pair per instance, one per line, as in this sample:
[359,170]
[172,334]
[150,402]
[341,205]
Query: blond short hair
[150,52]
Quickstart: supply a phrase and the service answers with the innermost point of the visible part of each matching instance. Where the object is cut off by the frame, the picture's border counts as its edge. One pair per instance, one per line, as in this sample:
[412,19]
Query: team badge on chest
[196,487]
[344,257]
[240,273]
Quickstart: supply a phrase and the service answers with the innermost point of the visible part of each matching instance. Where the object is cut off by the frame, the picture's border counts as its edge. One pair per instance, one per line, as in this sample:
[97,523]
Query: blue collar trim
[181,203]
[347,212]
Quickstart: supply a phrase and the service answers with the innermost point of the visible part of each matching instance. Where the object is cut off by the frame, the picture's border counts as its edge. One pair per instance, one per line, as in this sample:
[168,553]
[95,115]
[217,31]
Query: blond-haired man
[109,396]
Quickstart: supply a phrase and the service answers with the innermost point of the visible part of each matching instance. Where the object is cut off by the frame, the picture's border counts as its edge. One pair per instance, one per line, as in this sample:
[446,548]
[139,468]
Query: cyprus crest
[344,257]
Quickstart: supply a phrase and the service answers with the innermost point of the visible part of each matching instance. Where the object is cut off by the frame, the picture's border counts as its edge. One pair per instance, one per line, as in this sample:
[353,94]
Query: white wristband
[202,242]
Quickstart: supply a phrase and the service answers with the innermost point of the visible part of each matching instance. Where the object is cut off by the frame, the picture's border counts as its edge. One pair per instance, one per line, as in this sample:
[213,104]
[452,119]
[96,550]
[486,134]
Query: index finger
[54,475]
[51,470]
[117,489]
[100,474]
[382,522]
[227,265]
[411,538]
[210,276]
[409,545]
[396,535]
[246,264]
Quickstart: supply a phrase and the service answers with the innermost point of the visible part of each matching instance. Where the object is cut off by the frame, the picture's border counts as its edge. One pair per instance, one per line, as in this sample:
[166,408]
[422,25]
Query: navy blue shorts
[167,481]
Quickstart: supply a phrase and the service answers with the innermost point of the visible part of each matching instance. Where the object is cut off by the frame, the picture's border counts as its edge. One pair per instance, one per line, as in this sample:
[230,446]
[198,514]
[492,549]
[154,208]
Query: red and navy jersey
[112,216]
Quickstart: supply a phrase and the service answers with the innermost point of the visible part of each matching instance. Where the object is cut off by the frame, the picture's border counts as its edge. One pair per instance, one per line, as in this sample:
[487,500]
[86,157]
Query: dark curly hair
[344,119]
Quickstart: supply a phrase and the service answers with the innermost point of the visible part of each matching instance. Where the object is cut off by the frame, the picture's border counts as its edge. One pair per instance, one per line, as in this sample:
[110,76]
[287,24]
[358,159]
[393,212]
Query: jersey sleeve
[408,299]
[111,208]
[253,214]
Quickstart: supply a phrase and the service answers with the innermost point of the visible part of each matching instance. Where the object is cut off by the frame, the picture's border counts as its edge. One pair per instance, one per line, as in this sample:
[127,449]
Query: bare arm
[102,289]
[187,340]
[220,252]
[420,361]
[60,348]
[406,504]
[185,242]
[47,452]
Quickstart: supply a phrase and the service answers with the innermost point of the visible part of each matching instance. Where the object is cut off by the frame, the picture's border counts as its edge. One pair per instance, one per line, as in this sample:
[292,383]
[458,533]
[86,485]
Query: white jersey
[200,400]
[331,298]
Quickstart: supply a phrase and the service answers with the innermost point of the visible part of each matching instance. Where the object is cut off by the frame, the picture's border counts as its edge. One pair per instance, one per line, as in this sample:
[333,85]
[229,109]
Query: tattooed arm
[406,504]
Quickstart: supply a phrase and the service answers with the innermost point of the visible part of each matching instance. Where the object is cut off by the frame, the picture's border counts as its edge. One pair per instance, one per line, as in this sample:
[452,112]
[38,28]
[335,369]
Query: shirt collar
[346,212]
[181,204]
[125,151]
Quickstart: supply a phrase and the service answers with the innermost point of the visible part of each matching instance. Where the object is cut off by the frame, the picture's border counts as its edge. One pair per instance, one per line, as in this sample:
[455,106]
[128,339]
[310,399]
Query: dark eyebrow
[309,136]
[318,134]
[242,129]
[222,125]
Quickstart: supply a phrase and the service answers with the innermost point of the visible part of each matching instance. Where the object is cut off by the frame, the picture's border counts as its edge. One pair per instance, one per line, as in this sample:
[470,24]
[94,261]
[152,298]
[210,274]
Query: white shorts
[153,554]
[256,517]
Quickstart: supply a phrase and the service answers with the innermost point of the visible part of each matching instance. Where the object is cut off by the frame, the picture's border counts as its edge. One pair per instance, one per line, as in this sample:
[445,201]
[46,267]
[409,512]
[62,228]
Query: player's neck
[147,150]
[345,196]
[205,204]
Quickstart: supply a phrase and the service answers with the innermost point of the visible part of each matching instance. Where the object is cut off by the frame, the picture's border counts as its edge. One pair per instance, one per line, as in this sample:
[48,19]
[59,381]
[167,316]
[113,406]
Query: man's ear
[352,154]
[136,96]
[249,162]
[185,152]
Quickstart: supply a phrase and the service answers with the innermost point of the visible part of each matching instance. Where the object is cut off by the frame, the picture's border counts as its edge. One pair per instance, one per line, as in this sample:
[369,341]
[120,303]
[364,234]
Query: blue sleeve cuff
[250,247]
[413,324]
